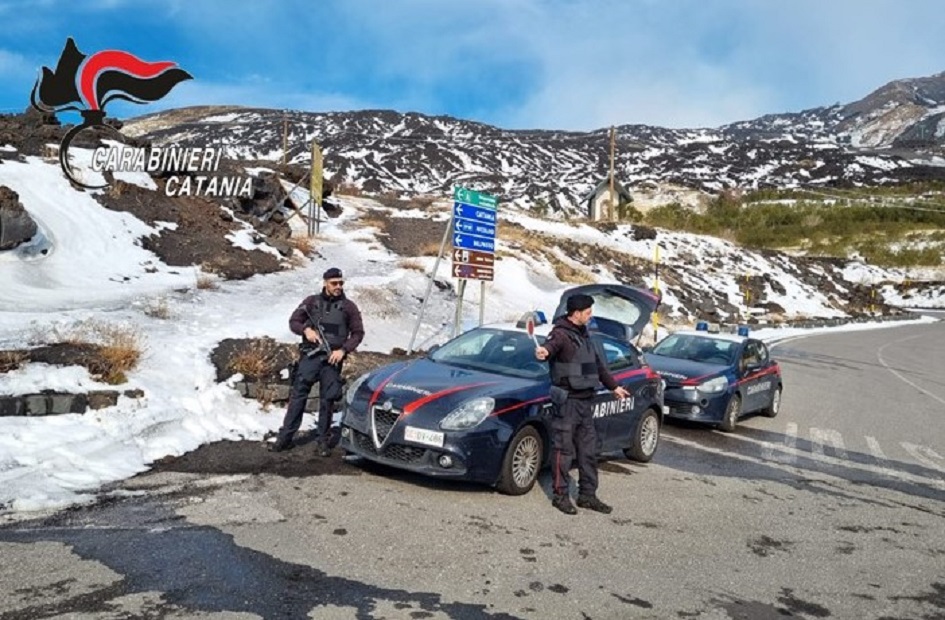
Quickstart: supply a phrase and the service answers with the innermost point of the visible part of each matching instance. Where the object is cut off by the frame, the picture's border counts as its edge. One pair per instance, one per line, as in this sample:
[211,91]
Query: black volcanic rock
[16,225]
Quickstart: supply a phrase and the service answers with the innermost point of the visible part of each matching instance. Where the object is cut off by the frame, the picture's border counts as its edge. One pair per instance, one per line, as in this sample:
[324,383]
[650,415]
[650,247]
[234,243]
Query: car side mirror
[432,349]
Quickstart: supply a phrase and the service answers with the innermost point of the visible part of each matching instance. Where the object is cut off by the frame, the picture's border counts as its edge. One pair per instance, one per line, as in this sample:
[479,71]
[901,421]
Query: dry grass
[266,395]
[119,348]
[412,264]
[423,202]
[534,244]
[158,309]
[207,282]
[348,189]
[256,361]
[11,360]
[372,220]
[571,275]
[304,244]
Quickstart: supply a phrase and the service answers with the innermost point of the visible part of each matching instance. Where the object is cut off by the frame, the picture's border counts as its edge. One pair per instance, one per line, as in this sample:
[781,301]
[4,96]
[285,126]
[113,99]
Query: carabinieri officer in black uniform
[576,369]
[338,320]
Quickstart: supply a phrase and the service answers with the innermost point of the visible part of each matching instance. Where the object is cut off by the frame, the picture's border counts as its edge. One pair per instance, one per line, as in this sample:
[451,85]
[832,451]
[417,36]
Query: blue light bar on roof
[537,317]
[743,330]
[702,326]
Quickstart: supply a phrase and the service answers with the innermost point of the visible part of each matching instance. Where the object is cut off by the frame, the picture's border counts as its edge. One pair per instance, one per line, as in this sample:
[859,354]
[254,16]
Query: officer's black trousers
[328,377]
[573,434]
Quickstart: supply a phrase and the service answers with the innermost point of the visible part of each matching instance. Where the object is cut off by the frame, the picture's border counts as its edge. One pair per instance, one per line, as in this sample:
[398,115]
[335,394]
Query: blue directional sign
[474,224]
[473,242]
[475,214]
[473,228]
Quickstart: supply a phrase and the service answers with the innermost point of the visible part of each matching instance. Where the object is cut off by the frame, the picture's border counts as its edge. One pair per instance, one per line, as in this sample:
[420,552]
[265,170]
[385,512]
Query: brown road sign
[473,257]
[473,272]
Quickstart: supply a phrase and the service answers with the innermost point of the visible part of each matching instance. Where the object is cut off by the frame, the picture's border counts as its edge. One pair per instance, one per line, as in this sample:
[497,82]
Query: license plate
[422,435]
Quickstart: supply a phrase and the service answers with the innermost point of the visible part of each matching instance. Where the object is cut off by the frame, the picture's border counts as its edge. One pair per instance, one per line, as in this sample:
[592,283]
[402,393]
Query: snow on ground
[96,271]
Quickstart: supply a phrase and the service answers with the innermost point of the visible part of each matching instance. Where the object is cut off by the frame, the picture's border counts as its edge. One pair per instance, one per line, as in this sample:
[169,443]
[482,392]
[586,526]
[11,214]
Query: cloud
[552,64]
[251,92]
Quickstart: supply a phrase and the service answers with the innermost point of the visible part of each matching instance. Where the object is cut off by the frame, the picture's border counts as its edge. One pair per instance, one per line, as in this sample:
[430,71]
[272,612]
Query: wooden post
[315,190]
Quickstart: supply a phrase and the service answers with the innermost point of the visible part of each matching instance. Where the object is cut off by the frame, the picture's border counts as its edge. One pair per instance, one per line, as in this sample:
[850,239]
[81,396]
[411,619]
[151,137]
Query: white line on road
[879,356]
[785,452]
[827,436]
[880,458]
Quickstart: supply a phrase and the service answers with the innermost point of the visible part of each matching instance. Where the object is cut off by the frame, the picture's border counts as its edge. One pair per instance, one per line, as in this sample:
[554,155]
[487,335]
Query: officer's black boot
[281,444]
[592,503]
[563,503]
[323,449]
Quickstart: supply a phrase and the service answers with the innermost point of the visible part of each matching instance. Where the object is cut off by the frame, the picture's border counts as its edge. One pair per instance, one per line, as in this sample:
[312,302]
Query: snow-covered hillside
[89,264]
[889,137]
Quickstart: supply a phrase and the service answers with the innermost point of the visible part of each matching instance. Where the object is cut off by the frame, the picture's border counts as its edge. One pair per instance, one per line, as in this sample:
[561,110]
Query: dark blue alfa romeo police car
[477,408]
[716,378]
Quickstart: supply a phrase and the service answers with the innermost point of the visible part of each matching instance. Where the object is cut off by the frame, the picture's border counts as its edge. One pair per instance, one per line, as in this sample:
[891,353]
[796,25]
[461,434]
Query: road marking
[924,455]
[879,356]
[786,452]
[821,436]
[880,458]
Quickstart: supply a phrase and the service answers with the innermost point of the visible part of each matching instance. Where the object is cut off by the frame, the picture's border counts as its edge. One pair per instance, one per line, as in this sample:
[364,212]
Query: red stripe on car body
[380,388]
[521,404]
[413,406]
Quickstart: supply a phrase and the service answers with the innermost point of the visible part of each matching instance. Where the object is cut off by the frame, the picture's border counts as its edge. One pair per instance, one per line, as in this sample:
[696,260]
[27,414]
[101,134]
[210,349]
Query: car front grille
[383,420]
[394,452]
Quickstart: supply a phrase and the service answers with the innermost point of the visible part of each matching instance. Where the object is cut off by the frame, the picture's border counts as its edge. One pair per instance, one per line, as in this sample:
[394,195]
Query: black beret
[332,273]
[579,302]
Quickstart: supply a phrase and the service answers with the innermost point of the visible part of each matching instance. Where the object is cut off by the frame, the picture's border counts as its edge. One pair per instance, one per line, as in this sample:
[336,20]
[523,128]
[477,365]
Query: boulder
[16,225]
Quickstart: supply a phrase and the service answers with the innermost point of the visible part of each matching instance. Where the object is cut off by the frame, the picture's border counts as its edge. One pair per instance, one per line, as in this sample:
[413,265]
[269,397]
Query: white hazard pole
[436,265]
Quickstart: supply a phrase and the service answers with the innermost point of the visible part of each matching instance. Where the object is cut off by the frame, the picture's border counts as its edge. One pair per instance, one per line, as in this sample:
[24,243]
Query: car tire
[522,462]
[645,439]
[775,406]
[732,411]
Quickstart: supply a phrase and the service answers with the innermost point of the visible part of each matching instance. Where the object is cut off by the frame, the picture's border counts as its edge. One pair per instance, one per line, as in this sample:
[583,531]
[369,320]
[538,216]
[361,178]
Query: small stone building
[597,200]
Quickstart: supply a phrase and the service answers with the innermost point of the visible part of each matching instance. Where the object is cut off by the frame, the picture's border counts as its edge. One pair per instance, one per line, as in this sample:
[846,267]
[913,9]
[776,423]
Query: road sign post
[474,223]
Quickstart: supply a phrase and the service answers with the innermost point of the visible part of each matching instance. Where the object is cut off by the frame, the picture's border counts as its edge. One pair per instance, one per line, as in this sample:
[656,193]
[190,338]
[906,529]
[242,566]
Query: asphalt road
[834,509]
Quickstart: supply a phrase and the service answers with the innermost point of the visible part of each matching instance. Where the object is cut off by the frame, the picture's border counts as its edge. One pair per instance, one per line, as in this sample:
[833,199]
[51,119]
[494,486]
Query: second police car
[716,378]
[478,408]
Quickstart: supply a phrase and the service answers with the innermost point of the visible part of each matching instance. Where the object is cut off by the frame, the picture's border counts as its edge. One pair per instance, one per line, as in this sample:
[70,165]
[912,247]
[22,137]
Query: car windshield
[697,349]
[499,351]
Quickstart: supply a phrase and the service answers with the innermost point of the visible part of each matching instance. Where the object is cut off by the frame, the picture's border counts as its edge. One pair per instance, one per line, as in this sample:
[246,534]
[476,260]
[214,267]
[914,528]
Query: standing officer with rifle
[331,328]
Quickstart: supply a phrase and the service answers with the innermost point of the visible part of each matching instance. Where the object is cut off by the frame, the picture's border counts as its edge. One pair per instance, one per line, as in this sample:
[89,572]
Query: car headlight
[714,386]
[354,387]
[469,414]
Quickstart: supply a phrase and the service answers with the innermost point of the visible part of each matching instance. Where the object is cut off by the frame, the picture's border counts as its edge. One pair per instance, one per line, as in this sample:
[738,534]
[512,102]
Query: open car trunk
[619,311]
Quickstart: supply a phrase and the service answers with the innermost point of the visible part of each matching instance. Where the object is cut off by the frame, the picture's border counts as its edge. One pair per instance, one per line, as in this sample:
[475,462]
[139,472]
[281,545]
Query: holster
[558,395]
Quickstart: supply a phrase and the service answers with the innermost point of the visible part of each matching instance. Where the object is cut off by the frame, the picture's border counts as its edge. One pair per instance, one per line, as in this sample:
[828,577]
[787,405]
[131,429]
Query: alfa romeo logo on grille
[387,406]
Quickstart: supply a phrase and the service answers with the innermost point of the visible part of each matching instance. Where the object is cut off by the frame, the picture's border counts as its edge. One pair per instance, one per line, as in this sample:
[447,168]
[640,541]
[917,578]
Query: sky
[515,64]
[97,271]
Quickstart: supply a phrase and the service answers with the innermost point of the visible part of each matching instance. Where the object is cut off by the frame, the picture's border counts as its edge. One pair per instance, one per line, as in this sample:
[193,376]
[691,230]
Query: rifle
[314,350]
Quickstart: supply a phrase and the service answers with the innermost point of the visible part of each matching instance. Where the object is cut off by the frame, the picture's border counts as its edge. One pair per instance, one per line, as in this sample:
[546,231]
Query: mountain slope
[888,137]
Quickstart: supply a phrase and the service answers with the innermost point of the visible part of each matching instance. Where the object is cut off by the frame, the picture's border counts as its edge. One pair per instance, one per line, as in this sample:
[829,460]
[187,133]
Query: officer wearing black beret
[576,370]
[331,327]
